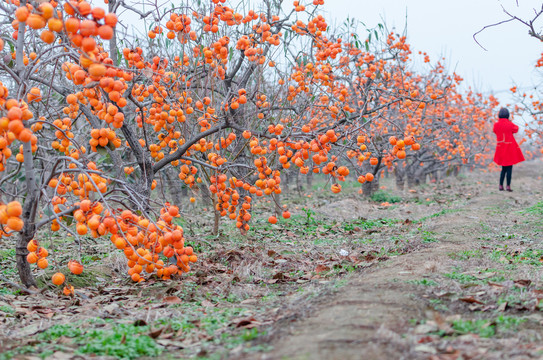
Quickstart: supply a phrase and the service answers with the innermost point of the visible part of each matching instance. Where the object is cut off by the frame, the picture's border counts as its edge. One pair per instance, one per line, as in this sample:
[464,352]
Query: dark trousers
[507,171]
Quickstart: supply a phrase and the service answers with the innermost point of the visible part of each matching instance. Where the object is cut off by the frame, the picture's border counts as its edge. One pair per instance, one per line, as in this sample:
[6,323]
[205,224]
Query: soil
[448,270]
[380,312]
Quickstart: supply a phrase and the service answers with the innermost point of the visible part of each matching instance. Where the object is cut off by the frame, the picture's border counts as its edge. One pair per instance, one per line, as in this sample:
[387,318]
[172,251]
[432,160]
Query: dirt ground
[449,270]
[404,308]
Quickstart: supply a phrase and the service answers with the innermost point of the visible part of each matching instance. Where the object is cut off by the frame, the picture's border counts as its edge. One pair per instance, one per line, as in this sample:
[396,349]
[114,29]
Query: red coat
[507,150]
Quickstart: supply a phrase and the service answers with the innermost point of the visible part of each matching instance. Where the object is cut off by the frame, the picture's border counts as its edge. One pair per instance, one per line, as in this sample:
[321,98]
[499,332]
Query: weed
[536,209]
[426,282]
[56,331]
[250,334]
[528,256]
[486,328]
[462,278]
[467,278]
[466,255]
[382,196]
[7,254]
[7,309]
[428,236]
[483,328]
[123,342]
[440,213]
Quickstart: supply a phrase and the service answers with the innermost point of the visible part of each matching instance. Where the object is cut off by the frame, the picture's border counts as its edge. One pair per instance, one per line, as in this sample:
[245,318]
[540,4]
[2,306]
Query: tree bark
[399,175]
[174,187]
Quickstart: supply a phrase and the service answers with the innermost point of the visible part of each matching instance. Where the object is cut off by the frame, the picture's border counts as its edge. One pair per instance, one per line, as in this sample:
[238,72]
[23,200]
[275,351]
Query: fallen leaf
[246,323]
[156,333]
[496,286]
[249,302]
[471,300]
[523,283]
[207,303]
[172,300]
[321,268]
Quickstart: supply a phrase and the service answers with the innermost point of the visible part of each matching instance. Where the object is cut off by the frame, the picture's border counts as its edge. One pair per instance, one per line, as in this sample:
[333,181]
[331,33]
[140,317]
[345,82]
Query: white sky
[446,28]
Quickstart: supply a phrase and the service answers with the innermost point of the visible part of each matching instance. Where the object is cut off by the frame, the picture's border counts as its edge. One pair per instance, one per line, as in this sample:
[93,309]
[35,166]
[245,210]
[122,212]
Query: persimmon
[35,21]
[22,13]
[88,44]
[47,10]
[105,32]
[71,25]
[68,290]
[42,252]
[75,267]
[58,279]
[43,263]
[98,13]
[55,25]
[14,208]
[110,19]
[15,223]
[32,257]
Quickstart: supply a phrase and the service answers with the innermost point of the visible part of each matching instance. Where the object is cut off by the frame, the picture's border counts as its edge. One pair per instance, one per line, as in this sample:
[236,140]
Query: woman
[507,150]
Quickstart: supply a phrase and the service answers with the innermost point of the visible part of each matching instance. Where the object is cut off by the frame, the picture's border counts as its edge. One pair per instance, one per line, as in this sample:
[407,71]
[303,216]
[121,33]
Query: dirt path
[380,313]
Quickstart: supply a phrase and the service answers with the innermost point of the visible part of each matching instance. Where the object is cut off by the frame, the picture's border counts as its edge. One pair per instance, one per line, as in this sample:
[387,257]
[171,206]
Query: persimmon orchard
[227,100]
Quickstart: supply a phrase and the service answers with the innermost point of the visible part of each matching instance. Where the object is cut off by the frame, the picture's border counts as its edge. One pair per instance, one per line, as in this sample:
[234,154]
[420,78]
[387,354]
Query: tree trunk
[369,188]
[309,180]
[299,186]
[285,180]
[174,187]
[216,218]
[23,266]
[277,205]
[206,195]
[400,178]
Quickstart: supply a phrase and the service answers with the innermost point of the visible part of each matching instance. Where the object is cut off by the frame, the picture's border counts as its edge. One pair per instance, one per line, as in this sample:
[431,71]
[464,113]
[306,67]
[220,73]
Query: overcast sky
[446,28]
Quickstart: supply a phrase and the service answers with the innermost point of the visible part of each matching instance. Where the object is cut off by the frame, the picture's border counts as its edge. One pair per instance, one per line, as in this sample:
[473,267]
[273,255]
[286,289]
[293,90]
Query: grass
[528,257]
[439,213]
[121,341]
[467,278]
[536,209]
[97,337]
[382,196]
[486,328]
[466,255]
[428,236]
[425,282]
[7,309]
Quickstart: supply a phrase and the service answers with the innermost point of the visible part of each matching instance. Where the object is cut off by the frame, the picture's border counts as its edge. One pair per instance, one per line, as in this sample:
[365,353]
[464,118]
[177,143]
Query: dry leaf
[321,268]
[471,300]
[172,300]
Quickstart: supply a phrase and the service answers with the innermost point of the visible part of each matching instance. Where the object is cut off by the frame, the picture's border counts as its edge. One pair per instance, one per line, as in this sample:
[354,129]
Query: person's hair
[503,114]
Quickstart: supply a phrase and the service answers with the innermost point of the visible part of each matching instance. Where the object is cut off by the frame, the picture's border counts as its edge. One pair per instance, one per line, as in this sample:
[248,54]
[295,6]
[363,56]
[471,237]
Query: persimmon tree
[226,98]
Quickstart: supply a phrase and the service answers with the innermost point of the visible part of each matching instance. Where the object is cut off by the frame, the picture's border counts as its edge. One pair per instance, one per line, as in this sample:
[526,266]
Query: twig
[486,27]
